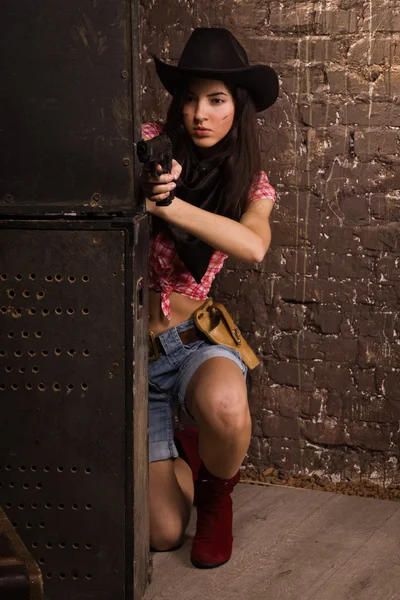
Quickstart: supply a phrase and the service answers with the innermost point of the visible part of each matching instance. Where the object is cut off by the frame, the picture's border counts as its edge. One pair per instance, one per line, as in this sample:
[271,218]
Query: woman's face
[208,112]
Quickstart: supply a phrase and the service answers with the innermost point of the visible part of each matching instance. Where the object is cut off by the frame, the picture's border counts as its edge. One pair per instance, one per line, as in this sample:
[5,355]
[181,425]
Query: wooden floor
[293,544]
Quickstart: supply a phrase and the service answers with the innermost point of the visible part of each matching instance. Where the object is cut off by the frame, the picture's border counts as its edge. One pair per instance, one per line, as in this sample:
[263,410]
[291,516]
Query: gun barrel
[154,149]
[142,152]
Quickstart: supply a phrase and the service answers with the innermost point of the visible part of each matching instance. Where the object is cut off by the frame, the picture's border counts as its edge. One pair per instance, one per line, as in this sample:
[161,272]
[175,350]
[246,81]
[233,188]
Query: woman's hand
[159,188]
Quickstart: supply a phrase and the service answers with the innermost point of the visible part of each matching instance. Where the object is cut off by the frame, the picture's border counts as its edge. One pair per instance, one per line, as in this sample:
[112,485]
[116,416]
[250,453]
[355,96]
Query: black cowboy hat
[214,53]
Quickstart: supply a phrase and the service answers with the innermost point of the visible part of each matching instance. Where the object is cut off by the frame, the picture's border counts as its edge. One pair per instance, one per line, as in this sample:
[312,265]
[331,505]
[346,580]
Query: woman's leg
[217,399]
[171,500]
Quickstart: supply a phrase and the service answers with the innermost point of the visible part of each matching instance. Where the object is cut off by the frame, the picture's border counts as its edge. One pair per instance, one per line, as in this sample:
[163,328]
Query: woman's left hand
[153,182]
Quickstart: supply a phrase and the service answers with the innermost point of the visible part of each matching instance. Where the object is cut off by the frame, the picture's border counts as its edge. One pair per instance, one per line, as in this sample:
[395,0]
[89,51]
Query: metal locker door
[69,106]
[73,402]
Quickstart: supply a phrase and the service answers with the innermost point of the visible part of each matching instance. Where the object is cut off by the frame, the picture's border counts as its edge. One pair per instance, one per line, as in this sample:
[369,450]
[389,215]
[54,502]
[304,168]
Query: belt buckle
[153,347]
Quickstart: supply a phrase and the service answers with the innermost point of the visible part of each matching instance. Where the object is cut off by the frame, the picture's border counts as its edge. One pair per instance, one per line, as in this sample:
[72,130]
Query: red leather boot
[187,443]
[212,544]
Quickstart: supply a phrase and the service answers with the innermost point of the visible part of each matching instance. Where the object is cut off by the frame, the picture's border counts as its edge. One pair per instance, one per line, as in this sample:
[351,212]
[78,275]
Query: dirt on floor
[364,488]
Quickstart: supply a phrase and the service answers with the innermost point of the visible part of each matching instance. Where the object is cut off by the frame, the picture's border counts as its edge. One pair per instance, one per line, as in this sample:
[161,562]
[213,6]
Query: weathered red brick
[365,380]
[320,50]
[378,50]
[328,432]
[334,405]
[321,115]
[310,404]
[366,114]
[327,321]
[371,436]
[388,268]
[334,377]
[381,237]
[371,323]
[392,82]
[372,408]
[290,317]
[303,261]
[230,284]
[259,451]
[299,78]
[345,266]
[294,208]
[354,208]
[378,352]
[385,207]
[285,18]
[338,349]
[303,345]
[326,143]
[270,49]
[334,21]
[286,454]
[275,426]
[383,19]
[376,142]
[290,373]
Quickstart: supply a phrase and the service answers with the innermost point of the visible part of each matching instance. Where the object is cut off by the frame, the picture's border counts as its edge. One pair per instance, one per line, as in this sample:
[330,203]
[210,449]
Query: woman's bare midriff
[182,309]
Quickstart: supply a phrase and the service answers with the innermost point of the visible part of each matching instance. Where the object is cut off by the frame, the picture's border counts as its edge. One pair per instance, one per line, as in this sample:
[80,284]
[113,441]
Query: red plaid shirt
[167,273]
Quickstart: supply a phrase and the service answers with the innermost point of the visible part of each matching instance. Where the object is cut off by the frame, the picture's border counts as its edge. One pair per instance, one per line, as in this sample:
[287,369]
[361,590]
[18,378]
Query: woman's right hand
[159,188]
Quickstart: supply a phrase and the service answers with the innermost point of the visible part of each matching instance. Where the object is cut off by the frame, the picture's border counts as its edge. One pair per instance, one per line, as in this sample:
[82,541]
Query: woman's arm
[247,241]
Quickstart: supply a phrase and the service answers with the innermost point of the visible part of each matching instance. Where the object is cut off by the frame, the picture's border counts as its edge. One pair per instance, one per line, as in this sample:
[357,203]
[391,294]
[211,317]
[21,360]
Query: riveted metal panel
[67,330]
[69,106]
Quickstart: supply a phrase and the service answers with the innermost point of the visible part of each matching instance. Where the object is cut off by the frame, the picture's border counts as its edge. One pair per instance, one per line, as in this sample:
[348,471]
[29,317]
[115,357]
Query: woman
[221,207]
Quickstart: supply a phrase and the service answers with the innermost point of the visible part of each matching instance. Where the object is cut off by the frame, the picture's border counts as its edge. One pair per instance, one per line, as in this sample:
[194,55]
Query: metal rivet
[96,197]
[8,198]
[126,162]
[124,74]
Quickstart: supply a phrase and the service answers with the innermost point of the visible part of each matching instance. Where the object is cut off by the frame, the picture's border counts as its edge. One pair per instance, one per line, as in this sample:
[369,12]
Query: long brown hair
[239,151]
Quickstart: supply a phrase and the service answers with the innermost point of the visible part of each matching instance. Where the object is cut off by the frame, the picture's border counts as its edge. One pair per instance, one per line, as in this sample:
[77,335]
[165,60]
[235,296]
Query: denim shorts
[169,377]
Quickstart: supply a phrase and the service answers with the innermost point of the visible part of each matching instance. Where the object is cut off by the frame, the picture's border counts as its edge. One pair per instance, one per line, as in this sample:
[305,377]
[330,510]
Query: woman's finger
[166,178]
[158,197]
[176,169]
[163,179]
[152,190]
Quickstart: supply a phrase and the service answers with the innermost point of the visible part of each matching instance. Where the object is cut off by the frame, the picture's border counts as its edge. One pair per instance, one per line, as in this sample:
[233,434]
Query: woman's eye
[217,101]
[189,99]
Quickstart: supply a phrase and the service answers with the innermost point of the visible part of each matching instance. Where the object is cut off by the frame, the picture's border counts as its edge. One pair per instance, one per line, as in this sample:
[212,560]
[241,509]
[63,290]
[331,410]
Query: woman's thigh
[217,393]
[215,376]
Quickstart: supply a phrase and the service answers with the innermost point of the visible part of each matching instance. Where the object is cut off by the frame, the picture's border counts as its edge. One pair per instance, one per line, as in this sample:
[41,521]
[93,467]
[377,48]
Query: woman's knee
[167,536]
[227,411]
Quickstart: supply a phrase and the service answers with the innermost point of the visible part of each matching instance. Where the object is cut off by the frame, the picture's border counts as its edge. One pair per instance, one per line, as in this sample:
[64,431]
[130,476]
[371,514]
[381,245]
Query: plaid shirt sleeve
[151,130]
[262,189]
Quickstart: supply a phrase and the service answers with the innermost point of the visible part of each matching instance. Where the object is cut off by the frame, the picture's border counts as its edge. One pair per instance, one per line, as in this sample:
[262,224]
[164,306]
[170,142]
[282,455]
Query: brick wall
[323,308]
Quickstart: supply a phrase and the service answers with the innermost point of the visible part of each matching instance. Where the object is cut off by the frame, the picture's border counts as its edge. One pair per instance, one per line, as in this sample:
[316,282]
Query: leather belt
[187,337]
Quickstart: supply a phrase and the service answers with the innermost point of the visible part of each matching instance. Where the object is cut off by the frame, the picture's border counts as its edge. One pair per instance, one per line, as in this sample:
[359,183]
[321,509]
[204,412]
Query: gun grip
[167,201]
[166,164]
[153,169]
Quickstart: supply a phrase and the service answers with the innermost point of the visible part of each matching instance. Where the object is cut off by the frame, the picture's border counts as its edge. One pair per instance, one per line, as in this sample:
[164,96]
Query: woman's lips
[201,132]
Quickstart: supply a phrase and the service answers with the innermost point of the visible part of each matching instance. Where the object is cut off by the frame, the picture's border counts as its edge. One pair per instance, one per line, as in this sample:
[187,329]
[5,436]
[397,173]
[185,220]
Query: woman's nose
[200,113]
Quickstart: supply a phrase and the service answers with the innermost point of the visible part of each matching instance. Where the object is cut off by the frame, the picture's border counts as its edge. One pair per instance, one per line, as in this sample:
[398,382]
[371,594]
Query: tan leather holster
[214,321]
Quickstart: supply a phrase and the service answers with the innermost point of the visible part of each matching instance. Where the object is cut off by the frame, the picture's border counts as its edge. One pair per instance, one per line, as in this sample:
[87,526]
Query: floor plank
[290,544]
[373,572]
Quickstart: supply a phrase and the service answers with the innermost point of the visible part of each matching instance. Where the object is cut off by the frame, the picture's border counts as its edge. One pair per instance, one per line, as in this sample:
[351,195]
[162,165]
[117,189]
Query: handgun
[157,151]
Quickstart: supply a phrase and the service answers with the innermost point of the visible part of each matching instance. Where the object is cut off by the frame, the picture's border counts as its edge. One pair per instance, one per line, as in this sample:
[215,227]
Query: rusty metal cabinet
[73,281]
